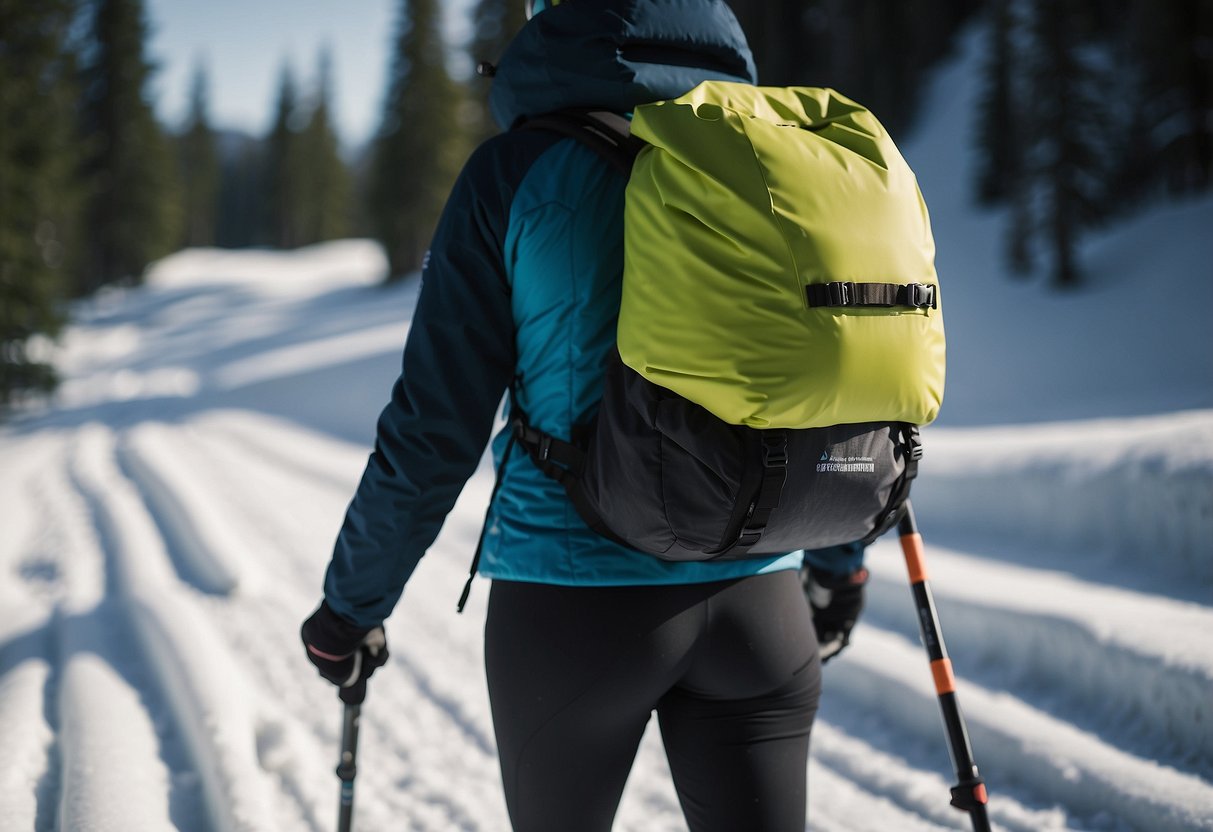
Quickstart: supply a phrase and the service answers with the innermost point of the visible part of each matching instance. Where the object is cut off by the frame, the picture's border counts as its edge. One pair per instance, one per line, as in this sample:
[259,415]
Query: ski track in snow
[168,605]
[161,554]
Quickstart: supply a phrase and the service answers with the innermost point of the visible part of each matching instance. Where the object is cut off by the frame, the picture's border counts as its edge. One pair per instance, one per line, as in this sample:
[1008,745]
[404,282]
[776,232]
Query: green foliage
[307,185]
[38,199]
[199,169]
[325,183]
[283,161]
[133,212]
[420,143]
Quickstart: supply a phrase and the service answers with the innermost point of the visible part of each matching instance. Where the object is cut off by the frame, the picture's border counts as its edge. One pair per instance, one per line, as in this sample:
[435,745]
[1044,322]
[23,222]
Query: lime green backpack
[780,332]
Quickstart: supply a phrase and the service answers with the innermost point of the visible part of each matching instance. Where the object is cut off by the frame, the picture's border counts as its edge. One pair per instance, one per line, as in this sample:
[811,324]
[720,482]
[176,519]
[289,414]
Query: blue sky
[243,45]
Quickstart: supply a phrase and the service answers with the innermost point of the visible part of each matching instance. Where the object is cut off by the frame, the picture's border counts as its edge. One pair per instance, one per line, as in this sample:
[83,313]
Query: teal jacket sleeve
[458,361]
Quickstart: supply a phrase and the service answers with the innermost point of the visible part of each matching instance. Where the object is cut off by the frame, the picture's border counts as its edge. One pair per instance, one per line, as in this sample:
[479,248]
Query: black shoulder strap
[607,134]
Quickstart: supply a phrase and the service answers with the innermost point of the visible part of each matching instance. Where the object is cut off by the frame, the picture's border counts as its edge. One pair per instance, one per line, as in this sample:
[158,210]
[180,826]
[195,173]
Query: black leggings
[731,669]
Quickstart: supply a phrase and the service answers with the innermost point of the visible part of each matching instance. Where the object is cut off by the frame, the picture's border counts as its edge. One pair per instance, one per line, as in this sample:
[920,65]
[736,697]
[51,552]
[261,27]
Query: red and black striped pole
[969,794]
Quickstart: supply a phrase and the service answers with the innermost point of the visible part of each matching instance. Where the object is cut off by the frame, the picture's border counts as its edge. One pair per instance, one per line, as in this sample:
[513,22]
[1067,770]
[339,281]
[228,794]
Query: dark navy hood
[616,54]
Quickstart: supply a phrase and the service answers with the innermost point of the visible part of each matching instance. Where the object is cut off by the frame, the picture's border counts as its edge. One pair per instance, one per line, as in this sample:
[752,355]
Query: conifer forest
[1091,110]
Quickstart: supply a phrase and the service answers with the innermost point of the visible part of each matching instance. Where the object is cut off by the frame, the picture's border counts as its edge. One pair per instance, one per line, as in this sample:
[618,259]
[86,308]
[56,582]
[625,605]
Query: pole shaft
[970,792]
[347,768]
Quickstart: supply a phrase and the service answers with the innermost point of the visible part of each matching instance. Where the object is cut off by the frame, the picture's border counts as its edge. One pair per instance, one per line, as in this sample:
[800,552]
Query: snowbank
[1138,490]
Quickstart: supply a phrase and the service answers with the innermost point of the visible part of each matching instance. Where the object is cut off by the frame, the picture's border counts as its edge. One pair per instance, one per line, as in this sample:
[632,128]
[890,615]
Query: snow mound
[1139,490]
[331,264]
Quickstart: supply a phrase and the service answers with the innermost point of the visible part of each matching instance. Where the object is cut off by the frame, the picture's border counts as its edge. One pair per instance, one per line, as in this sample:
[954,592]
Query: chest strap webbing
[563,462]
[848,293]
[770,489]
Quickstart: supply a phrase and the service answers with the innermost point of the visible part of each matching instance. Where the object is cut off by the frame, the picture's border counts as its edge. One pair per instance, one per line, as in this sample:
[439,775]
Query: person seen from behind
[584,638]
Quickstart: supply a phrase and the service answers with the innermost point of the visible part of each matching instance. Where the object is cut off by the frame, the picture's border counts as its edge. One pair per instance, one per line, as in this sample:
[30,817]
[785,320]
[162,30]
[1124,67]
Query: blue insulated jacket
[522,285]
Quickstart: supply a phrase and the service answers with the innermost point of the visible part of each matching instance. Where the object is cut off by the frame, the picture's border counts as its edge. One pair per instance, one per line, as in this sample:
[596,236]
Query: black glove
[836,601]
[344,654]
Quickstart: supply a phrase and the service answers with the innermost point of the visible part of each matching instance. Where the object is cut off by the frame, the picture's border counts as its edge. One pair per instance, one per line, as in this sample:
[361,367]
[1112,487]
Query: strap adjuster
[538,443]
[920,295]
[522,431]
[748,538]
[842,292]
[775,449]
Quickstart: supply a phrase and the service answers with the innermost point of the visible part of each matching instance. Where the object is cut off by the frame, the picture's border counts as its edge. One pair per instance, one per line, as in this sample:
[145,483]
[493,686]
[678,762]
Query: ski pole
[969,793]
[373,653]
[347,768]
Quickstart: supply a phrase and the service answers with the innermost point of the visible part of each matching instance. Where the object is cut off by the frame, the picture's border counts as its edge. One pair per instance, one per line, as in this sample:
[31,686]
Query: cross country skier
[584,638]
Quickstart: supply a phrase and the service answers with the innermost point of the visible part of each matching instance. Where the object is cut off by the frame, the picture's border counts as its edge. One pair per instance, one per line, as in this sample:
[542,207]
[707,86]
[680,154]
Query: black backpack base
[662,474]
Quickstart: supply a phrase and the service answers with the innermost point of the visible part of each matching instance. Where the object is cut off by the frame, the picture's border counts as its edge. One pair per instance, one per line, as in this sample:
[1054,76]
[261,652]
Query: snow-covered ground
[164,528]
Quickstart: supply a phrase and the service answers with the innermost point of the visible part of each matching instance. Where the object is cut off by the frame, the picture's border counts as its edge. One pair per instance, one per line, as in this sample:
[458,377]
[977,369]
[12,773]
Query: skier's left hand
[344,654]
[836,602]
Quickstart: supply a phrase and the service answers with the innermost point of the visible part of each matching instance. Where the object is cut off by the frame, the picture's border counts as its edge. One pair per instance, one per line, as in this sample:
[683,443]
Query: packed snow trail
[162,551]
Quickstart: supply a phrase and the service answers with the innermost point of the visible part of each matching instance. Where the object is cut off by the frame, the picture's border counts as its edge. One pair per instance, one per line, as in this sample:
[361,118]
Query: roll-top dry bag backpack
[780,333]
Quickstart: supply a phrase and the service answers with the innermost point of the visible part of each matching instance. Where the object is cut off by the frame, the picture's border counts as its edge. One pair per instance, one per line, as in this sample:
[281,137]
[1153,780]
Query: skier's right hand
[344,654]
[836,602]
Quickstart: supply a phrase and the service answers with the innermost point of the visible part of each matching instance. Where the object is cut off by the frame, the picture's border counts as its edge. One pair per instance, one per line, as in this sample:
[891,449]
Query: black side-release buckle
[537,443]
[920,295]
[774,449]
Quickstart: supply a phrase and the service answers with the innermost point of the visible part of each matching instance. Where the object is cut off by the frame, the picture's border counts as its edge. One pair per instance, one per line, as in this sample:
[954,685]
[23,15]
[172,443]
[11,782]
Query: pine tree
[1068,130]
[495,23]
[1001,172]
[999,146]
[419,145]
[1021,225]
[199,165]
[1172,50]
[871,50]
[133,211]
[325,180]
[284,221]
[39,203]
[242,199]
